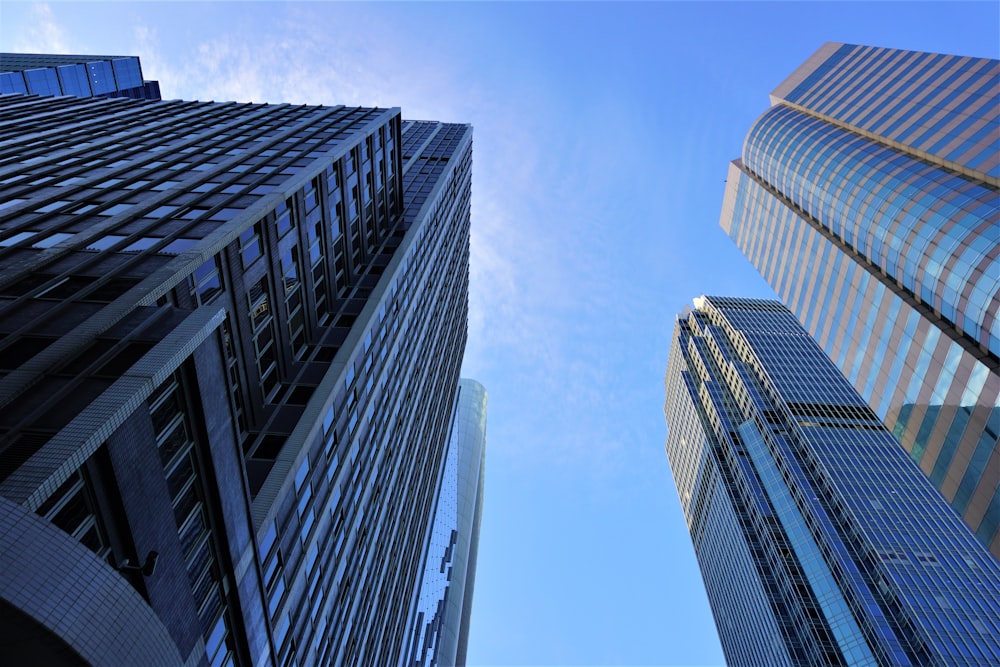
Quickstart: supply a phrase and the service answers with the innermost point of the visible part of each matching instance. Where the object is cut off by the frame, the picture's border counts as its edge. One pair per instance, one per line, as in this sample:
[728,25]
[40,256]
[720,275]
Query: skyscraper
[867,196]
[230,340]
[441,626]
[820,542]
[80,76]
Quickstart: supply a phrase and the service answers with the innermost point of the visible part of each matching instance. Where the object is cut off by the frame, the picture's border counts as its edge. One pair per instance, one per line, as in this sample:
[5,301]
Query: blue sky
[602,137]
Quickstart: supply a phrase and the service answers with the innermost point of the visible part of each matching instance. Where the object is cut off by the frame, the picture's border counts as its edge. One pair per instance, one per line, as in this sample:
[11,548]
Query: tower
[820,542]
[441,626]
[867,196]
[231,342]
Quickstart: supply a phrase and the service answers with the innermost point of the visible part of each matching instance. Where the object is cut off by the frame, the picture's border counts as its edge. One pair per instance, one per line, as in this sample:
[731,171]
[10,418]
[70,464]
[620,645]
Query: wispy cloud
[538,284]
[42,34]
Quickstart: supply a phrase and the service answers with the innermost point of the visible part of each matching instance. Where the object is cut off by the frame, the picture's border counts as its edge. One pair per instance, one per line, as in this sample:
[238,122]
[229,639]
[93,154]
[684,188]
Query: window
[251,248]
[294,298]
[72,508]
[284,221]
[205,282]
[262,322]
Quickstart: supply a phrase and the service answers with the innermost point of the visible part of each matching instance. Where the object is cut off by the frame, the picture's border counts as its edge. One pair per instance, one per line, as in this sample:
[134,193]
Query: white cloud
[42,34]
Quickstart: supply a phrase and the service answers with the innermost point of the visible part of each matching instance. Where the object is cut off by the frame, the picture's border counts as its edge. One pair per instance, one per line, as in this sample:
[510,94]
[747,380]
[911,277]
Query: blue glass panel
[127,73]
[102,78]
[74,80]
[12,82]
[42,81]
[988,528]
[831,600]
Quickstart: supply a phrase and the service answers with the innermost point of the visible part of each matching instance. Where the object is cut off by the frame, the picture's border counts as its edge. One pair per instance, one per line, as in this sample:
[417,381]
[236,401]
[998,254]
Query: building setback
[820,542]
[441,627]
[79,76]
[867,196]
[230,340]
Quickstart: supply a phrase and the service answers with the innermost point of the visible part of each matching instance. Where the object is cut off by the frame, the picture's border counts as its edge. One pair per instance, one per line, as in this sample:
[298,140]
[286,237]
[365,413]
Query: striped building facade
[867,196]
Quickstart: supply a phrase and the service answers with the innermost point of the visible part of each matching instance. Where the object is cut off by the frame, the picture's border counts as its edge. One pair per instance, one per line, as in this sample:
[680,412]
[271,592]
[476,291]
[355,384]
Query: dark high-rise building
[867,196]
[230,342]
[441,626]
[80,76]
[820,542]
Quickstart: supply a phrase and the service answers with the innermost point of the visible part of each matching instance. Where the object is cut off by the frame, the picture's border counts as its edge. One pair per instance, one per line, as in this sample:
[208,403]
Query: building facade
[441,626]
[231,340]
[820,542]
[867,196]
[80,76]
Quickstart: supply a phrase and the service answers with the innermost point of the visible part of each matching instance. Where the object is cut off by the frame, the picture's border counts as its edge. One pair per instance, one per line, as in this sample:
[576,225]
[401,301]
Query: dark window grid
[106,354]
[37,129]
[73,509]
[159,118]
[82,150]
[265,352]
[106,279]
[237,400]
[255,182]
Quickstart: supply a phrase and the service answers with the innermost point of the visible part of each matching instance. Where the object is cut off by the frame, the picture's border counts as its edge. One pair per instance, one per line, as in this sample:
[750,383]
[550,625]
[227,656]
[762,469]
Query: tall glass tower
[820,542]
[441,626]
[867,196]
[230,342]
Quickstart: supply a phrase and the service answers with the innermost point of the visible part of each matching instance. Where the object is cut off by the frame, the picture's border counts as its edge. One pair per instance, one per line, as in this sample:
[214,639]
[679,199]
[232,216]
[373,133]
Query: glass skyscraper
[80,76]
[820,542]
[867,196]
[230,342]
[441,626]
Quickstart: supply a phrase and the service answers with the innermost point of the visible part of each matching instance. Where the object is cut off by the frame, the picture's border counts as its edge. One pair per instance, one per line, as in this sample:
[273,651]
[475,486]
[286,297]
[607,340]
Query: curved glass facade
[933,230]
[867,197]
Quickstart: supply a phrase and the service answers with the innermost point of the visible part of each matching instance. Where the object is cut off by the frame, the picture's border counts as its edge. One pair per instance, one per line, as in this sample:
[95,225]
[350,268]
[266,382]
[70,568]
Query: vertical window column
[262,326]
[294,297]
[182,465]
[73,509]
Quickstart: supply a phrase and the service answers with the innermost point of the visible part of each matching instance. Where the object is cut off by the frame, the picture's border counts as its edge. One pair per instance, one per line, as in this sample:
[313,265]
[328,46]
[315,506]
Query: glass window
[74,80]
[51,240]
[102,78]
[250,247]
[42,81]
[127,74]
[12,82]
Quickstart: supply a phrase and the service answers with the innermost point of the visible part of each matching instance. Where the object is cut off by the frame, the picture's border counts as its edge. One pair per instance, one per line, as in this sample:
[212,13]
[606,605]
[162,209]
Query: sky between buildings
[602,137]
